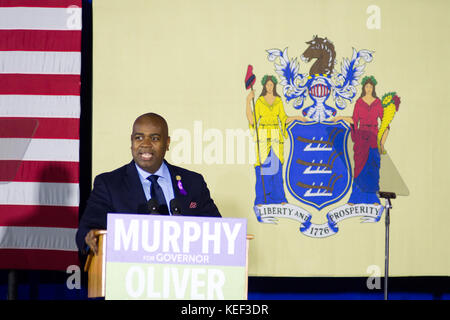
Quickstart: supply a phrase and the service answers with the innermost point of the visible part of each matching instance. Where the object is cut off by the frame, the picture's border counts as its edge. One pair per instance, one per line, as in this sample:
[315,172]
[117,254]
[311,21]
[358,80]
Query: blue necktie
[157,194]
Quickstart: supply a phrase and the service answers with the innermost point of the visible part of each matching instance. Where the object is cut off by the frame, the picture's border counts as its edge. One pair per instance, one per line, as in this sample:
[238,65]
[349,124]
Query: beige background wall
[187,60]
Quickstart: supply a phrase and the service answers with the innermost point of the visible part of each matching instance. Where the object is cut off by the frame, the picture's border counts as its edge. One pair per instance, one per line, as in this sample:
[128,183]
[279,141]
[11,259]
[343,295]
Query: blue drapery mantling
[272,171]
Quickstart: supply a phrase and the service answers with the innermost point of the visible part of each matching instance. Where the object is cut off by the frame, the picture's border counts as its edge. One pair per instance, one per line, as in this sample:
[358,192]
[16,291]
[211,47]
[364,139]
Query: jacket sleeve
[207,206]
[94,216]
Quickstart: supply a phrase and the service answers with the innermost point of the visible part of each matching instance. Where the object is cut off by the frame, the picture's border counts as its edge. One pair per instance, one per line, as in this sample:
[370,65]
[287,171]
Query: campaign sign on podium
[174,257]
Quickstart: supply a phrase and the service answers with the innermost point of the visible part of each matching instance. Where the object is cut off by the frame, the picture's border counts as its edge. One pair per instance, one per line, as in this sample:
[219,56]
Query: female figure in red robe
[364,131]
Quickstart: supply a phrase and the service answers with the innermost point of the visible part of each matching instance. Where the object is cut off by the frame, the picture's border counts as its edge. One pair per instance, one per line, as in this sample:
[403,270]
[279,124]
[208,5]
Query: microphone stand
[152,206]
[175,208]
[12,285]
[387,196]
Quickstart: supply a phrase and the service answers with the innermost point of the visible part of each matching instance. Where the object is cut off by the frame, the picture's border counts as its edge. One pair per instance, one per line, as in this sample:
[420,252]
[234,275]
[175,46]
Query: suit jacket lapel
[173,175]
[182,199]
[134,187]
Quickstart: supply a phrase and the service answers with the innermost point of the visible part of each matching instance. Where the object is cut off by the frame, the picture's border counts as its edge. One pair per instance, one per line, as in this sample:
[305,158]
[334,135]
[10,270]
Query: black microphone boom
[175,207]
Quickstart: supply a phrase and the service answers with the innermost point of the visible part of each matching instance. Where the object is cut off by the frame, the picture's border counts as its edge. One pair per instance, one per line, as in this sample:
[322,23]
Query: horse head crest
[321,49]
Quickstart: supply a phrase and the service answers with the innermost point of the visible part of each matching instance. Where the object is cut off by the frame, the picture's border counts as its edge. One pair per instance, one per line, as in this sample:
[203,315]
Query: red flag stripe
[24,127]
[39,171]
[40,3]
[40,40]
[37,259]
[38,216]
[58,128]
[47,128]
[43,84]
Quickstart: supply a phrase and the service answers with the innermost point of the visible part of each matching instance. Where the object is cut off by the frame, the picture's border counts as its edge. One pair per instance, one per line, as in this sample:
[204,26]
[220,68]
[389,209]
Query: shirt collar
[163,172]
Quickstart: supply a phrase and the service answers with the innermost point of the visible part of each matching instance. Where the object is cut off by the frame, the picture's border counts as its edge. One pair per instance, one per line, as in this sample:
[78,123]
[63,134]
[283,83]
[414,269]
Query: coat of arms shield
[318,171]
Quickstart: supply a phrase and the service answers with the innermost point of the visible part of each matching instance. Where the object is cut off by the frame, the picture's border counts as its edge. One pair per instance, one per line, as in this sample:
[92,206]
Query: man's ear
[168,143]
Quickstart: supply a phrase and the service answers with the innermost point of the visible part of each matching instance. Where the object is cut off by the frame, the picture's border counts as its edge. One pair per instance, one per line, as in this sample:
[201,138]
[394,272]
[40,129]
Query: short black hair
[154,116]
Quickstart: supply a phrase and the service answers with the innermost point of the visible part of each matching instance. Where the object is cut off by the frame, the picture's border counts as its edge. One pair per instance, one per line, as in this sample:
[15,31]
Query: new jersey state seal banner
[318,171]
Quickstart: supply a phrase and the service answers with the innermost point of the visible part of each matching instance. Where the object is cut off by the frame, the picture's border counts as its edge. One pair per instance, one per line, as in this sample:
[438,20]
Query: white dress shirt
[164,180]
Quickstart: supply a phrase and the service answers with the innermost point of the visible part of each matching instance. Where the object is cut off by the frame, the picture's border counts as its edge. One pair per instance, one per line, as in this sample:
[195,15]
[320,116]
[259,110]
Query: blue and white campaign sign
[174,257]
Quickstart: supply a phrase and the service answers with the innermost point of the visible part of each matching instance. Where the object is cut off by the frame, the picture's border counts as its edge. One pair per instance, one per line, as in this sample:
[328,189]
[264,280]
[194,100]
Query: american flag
[40,64]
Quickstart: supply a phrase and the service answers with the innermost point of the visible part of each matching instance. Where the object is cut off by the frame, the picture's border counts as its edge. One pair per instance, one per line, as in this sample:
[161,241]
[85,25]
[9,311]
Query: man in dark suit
[148,176]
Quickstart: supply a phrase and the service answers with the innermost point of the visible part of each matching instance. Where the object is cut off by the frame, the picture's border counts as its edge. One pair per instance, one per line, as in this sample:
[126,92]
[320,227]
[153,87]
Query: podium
[96,267]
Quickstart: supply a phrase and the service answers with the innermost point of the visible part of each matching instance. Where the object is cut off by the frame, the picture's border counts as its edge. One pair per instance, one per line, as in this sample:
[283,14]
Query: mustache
[145,150]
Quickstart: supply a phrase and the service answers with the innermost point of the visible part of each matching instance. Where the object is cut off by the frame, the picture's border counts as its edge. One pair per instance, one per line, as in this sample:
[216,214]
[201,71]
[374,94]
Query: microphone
[387,195]
[175,207]
[152,206]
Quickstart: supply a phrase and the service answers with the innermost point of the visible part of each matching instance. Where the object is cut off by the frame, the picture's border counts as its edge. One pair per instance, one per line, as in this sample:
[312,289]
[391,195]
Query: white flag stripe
[39,106]
[38,238]
[39,149]
[40,62]
[39,193]
[24,18]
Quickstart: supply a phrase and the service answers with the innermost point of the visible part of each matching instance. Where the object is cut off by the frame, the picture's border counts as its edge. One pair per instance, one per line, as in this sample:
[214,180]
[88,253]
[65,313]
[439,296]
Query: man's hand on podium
[91,240]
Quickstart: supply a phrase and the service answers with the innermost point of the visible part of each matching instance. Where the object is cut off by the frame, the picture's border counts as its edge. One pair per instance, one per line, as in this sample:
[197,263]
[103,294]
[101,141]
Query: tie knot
[153,178]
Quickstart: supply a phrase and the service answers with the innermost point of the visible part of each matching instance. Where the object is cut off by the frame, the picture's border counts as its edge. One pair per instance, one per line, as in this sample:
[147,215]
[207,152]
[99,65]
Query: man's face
[149,143]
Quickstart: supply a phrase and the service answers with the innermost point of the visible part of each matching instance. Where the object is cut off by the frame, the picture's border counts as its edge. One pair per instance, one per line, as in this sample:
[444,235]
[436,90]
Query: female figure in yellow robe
[271,121]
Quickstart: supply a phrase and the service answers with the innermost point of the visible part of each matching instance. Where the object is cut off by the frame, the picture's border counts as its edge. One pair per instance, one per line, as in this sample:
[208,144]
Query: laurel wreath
[372,78]
[266,77]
